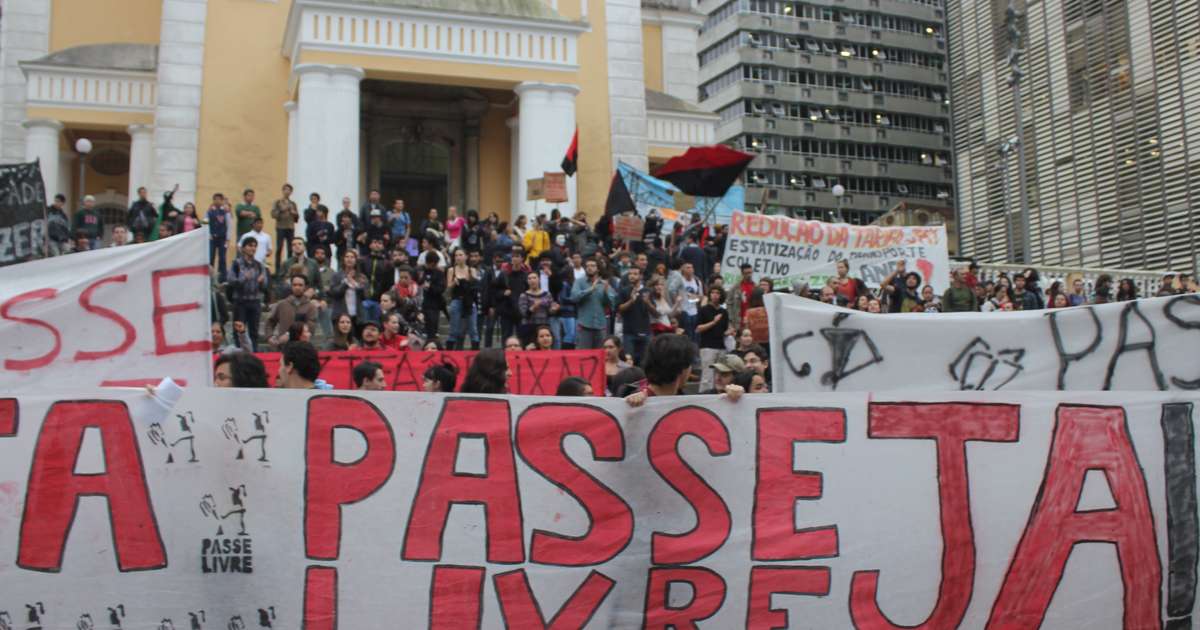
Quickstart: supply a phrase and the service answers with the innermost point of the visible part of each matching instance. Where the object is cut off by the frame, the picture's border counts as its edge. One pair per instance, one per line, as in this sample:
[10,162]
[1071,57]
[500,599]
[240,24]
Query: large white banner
[249,509]
[789,250]
[1147,345]
[114,316]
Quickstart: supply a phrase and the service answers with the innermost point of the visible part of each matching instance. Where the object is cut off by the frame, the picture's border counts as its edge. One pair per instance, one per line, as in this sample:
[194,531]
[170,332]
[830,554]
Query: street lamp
[839,192]
[83,146]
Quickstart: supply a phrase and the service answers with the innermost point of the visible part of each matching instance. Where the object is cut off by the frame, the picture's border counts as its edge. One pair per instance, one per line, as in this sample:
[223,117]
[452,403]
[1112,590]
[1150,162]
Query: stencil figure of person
[85,622]
[186,422]
[5,620]
[266,616]
[34,614]
[236,623]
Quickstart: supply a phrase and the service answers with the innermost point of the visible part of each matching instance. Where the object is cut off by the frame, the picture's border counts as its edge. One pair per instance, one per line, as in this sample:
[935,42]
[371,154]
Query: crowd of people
[903,291]
[389,278]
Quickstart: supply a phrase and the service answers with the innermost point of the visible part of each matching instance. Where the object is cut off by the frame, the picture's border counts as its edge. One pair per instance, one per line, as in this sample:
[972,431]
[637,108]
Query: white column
[516,187]
[141,159]
[293,144]
[545,127]
[41,143]
[66,178]
[681,64]
[471,169]
[327,131]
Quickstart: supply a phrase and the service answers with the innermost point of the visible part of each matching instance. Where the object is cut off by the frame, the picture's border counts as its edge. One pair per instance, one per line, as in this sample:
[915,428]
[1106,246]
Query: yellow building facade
[437,102]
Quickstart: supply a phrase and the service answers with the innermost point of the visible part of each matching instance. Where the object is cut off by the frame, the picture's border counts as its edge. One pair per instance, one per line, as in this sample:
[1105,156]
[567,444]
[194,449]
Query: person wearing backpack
[58,227]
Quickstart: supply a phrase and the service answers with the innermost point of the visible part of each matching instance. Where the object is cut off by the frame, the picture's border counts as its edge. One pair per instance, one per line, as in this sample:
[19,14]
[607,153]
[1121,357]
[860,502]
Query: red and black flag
[705,171]
[619,199]
[571,162]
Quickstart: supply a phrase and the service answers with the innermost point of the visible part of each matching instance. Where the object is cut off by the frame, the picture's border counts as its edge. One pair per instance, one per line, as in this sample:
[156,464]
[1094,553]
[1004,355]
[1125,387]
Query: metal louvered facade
[851,93]
[1111,97]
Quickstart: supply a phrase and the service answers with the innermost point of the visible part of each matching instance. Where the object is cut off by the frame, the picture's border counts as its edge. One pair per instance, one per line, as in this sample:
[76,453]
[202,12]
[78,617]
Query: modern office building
[1110,95]
[851,95]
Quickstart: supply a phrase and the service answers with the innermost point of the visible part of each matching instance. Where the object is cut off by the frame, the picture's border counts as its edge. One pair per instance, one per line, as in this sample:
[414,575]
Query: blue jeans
[564,331]
[635,345]
[463,317]
[688,324]
[370,312]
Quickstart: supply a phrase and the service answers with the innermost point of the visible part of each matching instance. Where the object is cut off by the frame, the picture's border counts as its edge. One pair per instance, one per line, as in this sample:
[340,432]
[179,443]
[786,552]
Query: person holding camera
[635,306]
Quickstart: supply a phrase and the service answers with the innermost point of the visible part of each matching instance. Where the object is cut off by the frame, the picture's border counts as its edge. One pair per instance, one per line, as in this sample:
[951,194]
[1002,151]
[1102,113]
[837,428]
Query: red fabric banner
[533,373]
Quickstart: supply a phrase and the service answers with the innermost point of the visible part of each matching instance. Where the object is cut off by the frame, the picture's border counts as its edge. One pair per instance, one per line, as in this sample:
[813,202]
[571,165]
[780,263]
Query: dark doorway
[419,192]
[416,172]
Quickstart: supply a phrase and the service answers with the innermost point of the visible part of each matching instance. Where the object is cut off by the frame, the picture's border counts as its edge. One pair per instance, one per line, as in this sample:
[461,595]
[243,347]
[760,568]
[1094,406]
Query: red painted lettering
[320,598]
[9,417]
[330,484]
[713,520]
[950,426]
[55,489]
[768,581]
[161,346]
[521,610]
[127,329]
[6,313]
[777,486]
[540,434]
[440,487]
[708,595]
[456,597]
[1085,438]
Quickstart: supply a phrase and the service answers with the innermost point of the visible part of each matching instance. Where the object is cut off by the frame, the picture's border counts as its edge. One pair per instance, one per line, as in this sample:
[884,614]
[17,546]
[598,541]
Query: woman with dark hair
[343,334]
[188,220]
[534,307]
[440,378]
[488,373]
[574,386]
[752,382]
[1126,290]
[543,339]
[614,361]
[1055,290]
[299,331]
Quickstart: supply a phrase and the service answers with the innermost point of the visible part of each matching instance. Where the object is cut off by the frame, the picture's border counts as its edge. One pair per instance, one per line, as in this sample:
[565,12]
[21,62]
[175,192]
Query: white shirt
[264,244]
[692,291]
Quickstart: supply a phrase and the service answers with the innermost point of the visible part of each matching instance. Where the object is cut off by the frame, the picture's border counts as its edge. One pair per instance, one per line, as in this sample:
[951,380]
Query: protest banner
[113,316]
[793,250]
[534,189]
[628,227]
[22,213]
[1146,345]
[533,373]
[295,509]
[554,187]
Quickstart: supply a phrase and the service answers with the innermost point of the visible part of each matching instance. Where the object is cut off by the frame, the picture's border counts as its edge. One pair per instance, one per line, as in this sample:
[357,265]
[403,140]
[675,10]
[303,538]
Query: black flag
[22,213]
[619,199]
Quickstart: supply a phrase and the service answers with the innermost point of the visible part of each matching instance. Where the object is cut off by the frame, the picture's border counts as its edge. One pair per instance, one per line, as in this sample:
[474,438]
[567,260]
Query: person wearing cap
[724,369]
[377,228]
[368,334]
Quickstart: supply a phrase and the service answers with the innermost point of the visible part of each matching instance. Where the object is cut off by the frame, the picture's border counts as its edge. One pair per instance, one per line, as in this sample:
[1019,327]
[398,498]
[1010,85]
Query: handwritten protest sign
[22,212]
[628,227]
[554,187]
[790,250]
[534,189]
[290,509]
[1140,345]
[533,373]
[113,316]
